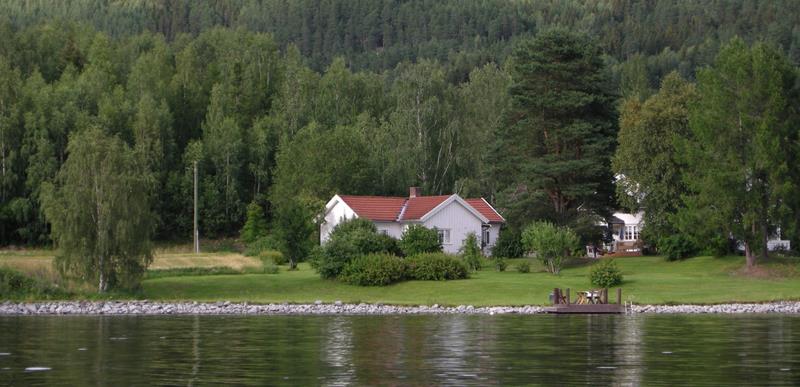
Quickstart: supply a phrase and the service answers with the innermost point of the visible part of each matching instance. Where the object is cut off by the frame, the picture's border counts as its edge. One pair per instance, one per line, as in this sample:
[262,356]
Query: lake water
[401,350]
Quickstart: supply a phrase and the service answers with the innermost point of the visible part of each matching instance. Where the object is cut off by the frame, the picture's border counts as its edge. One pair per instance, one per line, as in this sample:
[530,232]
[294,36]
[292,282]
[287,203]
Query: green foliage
[605,274]
[270,268]
[676,247]
[500,264]
[374,270]
[647,156]
[524,267]
[436,267]
[294,230]
[550,243]
[190,271]
[272,257]
[737,157]
[554,156]
[14,284]
[348,240]
[255,227]
[99,209]
[262,244]
[471,252]
[508,245]
[417,239]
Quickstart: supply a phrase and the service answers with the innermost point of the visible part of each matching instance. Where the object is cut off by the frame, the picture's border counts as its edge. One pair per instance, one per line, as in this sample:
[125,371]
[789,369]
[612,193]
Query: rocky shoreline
[120,308]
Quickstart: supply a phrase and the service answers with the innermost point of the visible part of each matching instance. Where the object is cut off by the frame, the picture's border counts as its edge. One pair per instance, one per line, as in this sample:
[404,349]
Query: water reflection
[401,350]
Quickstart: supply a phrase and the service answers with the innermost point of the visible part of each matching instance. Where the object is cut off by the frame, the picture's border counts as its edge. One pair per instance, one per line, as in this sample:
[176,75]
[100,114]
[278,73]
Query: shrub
[550,243]
[500,264]
[256,225]
[419,239]
[605,274]
[348,240]
[471,252]
[272,257]
[264,243]
[374,270]
[509,245]
[270,268]
[675,247]
[14,284]
[436,267]
[524,267]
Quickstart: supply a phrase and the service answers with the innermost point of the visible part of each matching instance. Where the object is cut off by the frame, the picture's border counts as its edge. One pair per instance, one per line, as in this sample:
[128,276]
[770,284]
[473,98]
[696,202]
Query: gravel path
[320,308]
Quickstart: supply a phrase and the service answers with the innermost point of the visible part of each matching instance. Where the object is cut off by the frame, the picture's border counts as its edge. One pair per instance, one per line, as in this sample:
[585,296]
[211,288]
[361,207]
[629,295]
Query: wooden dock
[595,302]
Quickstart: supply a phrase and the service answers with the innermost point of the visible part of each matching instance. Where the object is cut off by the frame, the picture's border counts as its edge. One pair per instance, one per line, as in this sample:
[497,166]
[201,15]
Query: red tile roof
[419,206]
[486,210]
[390,209]
[375,208]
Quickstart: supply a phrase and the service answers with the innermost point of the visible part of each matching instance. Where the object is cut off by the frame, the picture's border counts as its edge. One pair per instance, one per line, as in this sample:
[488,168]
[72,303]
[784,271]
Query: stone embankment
[320,308]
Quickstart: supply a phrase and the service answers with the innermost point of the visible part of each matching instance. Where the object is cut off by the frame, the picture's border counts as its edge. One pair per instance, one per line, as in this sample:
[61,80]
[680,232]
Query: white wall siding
[393,229]
[494,233]
[336,215]
[460,221]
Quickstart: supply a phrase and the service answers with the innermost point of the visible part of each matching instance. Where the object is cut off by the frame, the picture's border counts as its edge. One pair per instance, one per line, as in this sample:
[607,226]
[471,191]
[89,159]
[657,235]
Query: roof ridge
[402,211]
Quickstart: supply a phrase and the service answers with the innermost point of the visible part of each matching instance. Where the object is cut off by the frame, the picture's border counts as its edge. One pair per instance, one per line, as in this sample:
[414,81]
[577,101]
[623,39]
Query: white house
[451,215]
[625,229]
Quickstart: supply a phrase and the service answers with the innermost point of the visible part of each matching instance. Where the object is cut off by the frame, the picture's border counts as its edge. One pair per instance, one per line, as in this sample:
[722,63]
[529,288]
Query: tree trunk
[103,286]
[749,257]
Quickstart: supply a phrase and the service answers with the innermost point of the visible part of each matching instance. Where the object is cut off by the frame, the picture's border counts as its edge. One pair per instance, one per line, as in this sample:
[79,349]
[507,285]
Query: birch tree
[100,212]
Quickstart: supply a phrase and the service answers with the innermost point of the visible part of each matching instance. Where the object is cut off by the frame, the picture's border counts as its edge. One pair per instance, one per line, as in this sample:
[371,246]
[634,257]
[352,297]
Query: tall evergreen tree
[555,153]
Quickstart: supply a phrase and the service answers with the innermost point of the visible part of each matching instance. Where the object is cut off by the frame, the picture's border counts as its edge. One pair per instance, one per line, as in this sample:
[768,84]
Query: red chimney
[414,192]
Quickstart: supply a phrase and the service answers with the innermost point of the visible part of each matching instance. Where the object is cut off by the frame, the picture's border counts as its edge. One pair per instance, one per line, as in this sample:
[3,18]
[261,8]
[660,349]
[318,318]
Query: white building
[452,216]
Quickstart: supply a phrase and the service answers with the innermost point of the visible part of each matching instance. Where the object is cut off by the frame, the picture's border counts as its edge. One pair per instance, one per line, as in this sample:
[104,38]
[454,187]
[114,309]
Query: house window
[631,233]
[486,237]
[384,232]
[444,236]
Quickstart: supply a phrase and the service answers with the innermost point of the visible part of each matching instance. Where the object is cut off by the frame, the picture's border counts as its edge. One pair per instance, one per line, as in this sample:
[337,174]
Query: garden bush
[676,247]
[270,268]
[524,267]
[605,274]
[374,270]
[14,284]
[508,245]
[348,240]
[419,239]
[551,244]
[264,243]
[272,257]
[471,252]
[256,225]
[435,267]
[500,264]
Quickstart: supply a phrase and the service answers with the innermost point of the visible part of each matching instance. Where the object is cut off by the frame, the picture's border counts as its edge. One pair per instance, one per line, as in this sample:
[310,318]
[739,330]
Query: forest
[282,102]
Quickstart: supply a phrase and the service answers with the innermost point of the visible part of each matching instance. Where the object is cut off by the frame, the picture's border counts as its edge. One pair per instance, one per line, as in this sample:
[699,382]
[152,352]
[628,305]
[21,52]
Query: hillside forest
[557,110]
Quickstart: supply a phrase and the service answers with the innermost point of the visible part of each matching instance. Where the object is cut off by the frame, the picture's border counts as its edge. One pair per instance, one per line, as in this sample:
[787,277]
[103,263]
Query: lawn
[648,280]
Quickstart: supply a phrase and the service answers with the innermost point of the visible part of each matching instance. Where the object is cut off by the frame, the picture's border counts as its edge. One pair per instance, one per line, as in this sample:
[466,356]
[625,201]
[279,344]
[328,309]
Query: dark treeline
[278,100]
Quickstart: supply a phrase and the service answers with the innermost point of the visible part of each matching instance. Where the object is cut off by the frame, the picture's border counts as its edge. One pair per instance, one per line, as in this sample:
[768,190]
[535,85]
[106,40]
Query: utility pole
[196,230]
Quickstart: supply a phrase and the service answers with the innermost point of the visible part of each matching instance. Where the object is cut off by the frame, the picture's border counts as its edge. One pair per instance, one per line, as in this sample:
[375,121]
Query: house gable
[450,201]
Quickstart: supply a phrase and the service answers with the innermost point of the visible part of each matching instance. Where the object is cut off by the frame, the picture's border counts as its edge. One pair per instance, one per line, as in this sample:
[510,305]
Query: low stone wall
[320,308]
[771,307]
[228,308]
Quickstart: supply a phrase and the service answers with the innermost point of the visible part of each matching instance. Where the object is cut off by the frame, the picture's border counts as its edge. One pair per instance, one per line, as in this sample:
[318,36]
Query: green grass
[648,280]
